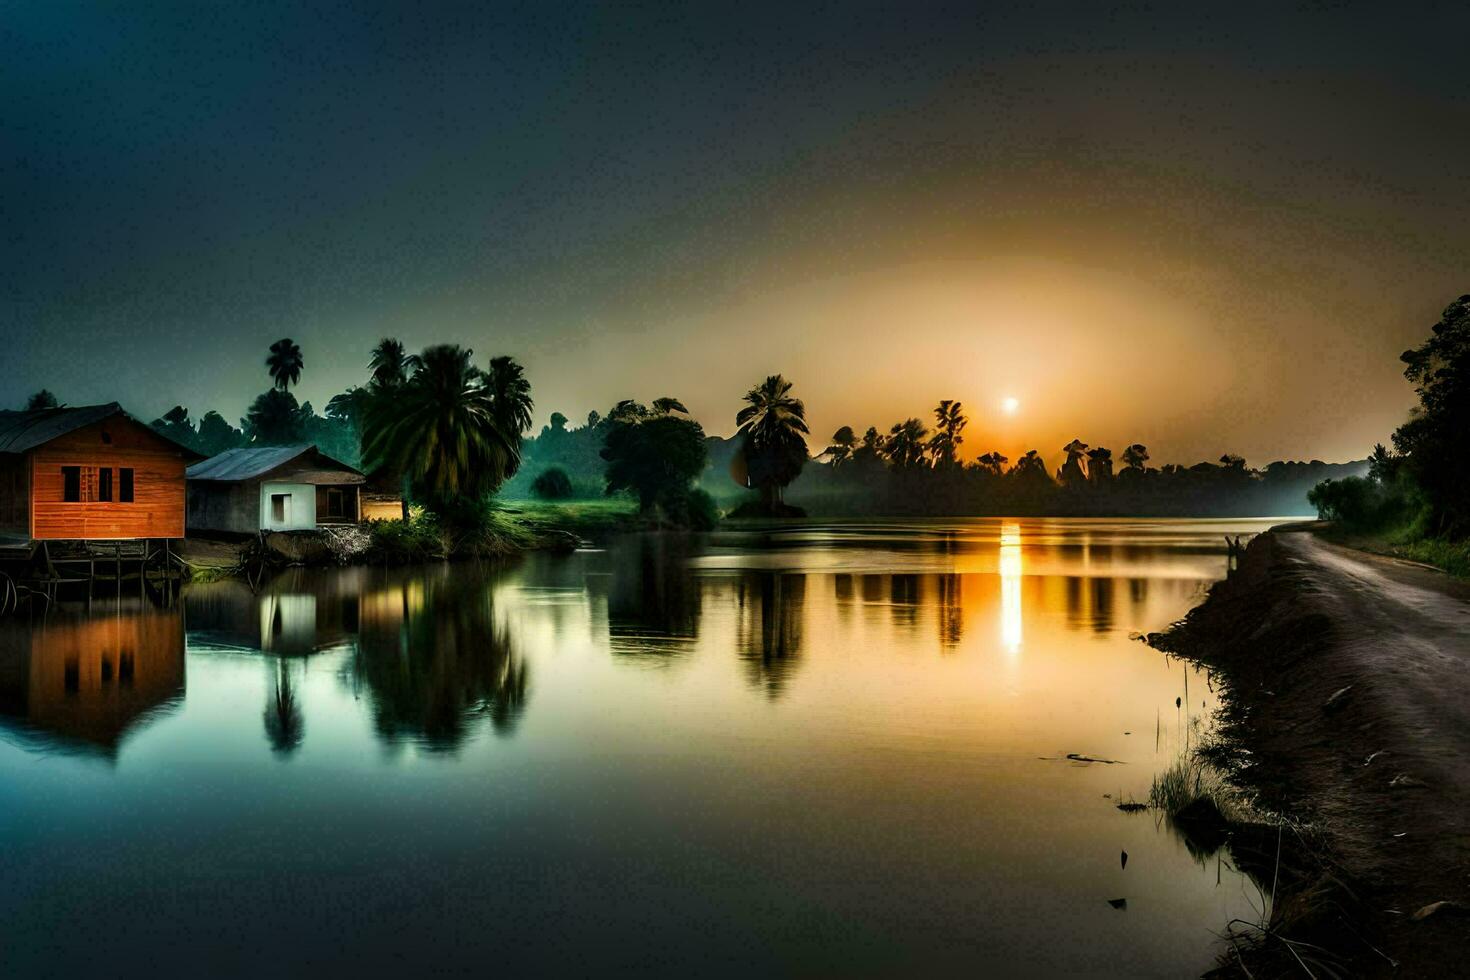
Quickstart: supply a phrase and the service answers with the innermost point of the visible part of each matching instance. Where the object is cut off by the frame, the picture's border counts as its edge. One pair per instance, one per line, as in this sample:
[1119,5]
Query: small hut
[91,473]
[275,488]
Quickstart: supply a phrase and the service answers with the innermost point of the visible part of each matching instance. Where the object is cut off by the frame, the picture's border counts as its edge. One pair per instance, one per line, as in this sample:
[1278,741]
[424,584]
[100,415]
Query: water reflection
[951,602]
[436,660]
[653,604]
[73,681]
[770,629]
[879,707]
[1011,569]
[297,613]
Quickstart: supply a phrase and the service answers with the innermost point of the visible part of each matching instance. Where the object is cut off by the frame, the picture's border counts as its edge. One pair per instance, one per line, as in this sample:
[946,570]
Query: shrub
[552,484]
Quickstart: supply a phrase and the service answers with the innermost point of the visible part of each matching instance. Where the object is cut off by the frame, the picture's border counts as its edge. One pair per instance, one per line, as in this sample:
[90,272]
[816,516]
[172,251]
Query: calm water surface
[831,749]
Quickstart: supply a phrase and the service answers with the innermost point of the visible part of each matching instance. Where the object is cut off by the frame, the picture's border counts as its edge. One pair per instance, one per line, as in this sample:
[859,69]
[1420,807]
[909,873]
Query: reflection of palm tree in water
[441,667]
[951,610]
[771,606]
[285,728]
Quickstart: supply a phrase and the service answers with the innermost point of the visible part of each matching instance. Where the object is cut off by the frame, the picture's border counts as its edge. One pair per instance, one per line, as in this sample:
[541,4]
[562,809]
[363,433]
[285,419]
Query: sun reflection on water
[1010,587]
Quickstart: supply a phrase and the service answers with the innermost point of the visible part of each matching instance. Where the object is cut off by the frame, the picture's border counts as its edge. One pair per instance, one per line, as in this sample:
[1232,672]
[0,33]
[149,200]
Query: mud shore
[1348,710]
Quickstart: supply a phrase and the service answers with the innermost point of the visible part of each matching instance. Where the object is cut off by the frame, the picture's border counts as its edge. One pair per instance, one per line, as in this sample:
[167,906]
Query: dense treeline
[452,434]
[912,470]
[1416,497]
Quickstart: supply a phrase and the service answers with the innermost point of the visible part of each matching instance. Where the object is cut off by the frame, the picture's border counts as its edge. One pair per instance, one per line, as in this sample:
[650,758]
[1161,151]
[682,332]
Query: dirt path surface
[1349,681]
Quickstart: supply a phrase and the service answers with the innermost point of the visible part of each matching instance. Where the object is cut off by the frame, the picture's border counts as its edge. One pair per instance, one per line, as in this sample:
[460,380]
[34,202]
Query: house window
[125,484]
[104,483]
[71,484]
[335,503]
[280,507]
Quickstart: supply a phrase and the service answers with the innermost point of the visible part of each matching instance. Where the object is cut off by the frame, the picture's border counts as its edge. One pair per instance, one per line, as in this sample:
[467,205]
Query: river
[819,748]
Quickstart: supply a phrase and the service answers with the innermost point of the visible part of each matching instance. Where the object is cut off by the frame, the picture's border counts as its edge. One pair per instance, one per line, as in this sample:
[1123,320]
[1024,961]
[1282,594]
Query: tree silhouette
[1433,440]
[390,365]
[510,393]
[772,427]
[844,443]
[904,448]
[274,419]
[215,435]
[442,432]
[993,463]
[284,363]
[41,400]
[949,422]
[1071,472]
[1135,456]
[667,405]
[657,457]
[1099,466]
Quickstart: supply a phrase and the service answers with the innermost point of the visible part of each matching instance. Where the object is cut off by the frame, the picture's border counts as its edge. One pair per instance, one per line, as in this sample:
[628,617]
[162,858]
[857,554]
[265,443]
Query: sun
[1010,406]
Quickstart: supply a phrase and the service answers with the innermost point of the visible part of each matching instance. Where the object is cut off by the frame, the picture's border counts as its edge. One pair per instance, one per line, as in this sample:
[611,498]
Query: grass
[581,517]
[1410,543]
[1192,780]
[1303,914]
[1452,556]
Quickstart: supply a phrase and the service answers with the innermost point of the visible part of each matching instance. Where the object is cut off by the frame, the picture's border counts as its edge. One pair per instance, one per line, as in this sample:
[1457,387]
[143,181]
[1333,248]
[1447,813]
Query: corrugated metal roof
[247,464]
[23,431]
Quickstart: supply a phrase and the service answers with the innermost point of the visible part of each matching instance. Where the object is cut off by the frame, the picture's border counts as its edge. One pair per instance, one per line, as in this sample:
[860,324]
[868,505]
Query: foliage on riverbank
[1413,502]
[1388,514]
[483,531]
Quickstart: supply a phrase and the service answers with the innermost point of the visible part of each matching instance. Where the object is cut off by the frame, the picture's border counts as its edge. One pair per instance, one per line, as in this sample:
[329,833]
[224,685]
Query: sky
[1207,230]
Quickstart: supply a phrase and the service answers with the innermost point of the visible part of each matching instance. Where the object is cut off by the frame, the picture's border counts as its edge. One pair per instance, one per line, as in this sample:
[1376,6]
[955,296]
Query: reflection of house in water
[87,681]
[294,614]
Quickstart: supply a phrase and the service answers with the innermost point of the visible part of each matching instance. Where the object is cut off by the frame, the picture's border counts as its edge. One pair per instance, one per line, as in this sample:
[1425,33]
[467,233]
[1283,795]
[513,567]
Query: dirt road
[1349,680]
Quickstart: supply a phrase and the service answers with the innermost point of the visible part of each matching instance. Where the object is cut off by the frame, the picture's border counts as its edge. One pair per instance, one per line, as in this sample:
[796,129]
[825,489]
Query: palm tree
[348,406]
[773,427]
[949,423]
[844,442]
[904,446]
[390,365]
[284,363]
[442,431]
[511,395]
[871,449]
[1135,456]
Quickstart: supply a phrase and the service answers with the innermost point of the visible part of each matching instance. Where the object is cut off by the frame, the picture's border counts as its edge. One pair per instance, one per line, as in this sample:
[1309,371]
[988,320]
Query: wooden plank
[156,511]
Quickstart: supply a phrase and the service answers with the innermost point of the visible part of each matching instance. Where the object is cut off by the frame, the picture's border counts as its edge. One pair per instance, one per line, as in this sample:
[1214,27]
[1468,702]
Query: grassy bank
[493,531]
[589,518]
[1406,543]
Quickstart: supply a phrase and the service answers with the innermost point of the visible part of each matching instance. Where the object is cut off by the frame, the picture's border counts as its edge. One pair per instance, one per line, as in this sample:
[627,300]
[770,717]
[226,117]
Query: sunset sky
[1205,231]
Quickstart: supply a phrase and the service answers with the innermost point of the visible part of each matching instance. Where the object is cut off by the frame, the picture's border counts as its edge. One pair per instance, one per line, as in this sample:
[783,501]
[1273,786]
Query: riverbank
[1348,708]
[501,533]
[1448,556]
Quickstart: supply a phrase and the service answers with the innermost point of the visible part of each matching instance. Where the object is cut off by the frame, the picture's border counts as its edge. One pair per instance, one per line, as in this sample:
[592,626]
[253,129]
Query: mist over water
[822,748]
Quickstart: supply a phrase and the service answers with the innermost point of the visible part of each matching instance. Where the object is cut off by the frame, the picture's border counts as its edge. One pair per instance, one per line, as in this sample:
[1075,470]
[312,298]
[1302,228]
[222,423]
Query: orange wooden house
[88,474]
